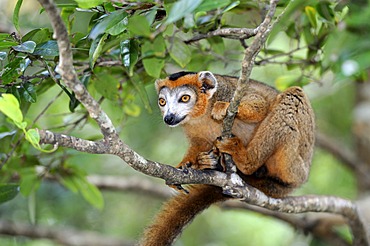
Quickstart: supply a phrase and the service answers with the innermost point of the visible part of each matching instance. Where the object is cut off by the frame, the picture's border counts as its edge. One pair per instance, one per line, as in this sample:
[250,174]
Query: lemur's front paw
[228,145]
[219,110]
[185,165]
[210,160]
[179,188]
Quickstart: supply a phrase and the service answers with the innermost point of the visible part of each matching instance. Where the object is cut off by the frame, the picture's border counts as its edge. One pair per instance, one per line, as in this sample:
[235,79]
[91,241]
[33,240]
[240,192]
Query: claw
[179,188]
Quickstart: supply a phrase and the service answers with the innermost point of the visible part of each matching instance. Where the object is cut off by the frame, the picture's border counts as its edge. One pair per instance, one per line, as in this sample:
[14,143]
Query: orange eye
[185,98]
[161,102]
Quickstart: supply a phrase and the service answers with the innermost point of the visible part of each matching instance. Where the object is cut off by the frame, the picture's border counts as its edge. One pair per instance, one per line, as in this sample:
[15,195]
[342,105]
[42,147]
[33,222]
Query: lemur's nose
[169,119]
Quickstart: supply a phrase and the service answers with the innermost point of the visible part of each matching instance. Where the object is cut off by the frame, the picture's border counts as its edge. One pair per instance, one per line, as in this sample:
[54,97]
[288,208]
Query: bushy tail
[178,212]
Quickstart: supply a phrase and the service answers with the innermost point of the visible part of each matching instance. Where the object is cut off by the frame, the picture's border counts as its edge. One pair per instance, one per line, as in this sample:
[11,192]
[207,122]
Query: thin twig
[231,33]
[250,54]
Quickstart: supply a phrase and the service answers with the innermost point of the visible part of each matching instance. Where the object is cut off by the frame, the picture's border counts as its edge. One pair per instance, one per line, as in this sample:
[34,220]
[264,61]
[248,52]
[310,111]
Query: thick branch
[66,70]
[319,225]
[250,54]
[48,137]
[233,186]
[62,236]
[130,184]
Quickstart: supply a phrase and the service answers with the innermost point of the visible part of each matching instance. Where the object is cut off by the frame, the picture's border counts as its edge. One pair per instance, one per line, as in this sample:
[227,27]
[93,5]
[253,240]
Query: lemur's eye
[185,98]
[161,102]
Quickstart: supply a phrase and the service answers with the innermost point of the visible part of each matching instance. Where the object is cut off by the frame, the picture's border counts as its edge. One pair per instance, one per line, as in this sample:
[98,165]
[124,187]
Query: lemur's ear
[209,83]
[156,84]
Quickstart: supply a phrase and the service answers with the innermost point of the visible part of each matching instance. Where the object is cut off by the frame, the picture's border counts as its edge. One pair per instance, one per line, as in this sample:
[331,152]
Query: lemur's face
[176,104]
[184,96]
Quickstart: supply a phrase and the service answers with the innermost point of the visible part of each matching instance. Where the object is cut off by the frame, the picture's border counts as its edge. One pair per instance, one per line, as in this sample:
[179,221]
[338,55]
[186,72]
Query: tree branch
[250,54]
[62,236]
[346,156]
[66,70]
[231,183]
[320,226]
[130,184]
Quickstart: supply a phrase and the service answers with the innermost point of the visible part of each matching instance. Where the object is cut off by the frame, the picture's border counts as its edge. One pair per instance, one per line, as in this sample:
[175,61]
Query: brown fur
[272,147]
[178,212]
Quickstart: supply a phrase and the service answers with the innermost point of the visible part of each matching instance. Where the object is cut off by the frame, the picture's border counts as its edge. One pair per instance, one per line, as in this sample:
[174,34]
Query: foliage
[121,47]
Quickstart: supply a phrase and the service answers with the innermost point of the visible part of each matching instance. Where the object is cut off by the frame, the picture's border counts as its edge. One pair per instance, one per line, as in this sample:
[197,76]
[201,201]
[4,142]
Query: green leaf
[8,192]
[96,49]
[156,48]
[89,191]
[287,16]
[21,125]
[217,44]
[108,6]
[33,136]
[15,91]
[285,81]
[29,180]
[139,25]
[153,65]
[3,55]
[16,14]
[231,6]
[129,54]
[182,8]
[26,47]
[208,5]
[86,4]
[107,22]
[9,106]
[311,14]
[140,88]
[324,10]
[40,35]
[118,28]
[6,134]
[132,109]
[179,52]
[73,102]
[308,36]
[5,36]
[29,93]
[14,69]
[67,16]
[32,206]
[68,182]
[4,44]
[49,48]
[106,85]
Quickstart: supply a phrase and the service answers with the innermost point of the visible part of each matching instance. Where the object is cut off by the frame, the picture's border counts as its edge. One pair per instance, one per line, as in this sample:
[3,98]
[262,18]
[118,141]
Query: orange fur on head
[201,106]
[188,79]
